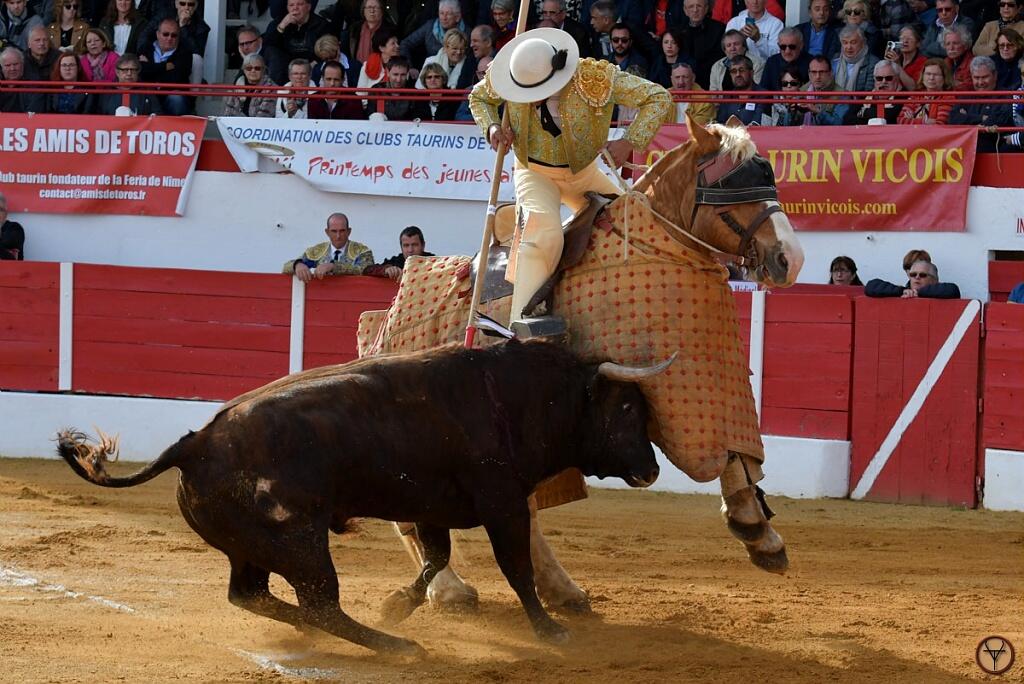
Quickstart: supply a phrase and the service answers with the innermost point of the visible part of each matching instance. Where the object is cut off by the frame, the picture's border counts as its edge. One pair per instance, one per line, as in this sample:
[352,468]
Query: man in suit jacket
[820,34]
[703,38]
[554,11]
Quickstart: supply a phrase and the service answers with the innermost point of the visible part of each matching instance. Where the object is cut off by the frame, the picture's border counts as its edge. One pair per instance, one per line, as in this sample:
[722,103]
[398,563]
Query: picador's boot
[747,514]
[550,328]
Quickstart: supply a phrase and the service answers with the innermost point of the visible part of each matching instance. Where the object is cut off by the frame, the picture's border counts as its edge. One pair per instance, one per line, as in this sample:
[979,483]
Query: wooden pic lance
[492,206]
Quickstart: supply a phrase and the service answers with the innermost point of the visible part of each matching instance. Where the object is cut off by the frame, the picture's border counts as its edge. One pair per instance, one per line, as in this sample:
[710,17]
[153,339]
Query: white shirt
[770,28]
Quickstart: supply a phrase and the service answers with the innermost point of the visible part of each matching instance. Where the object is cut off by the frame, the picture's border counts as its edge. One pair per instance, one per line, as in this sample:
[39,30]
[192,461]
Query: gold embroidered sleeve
[652,102]
[483,104]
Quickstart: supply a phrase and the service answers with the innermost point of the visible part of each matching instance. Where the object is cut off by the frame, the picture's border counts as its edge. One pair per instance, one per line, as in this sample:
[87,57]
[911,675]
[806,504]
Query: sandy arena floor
[101,585]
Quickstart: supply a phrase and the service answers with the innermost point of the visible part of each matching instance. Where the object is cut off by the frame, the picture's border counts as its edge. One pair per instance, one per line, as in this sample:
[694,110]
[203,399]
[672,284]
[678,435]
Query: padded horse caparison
[723,181]
[577,238]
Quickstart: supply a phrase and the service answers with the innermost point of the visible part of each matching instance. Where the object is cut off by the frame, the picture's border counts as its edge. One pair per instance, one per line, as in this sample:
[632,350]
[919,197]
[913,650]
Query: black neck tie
[337,255]
[547,121]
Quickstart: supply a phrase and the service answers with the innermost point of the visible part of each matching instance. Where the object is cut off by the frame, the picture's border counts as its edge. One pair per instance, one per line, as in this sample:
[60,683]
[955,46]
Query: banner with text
[449,161]
[59,164]
[864,177]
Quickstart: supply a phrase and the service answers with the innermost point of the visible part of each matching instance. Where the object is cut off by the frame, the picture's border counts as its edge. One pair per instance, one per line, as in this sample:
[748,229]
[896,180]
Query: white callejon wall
[146,426]
[796,467]
[1004,480]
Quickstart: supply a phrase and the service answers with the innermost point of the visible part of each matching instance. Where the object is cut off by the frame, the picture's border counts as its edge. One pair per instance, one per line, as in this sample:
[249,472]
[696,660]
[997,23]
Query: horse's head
[717,187]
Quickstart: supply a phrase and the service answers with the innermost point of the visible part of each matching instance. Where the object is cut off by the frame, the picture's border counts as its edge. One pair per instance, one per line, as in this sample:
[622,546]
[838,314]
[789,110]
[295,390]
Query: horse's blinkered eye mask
[724,181]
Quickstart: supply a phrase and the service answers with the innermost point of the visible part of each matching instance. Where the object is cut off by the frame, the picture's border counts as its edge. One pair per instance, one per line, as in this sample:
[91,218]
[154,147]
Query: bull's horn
[617,371]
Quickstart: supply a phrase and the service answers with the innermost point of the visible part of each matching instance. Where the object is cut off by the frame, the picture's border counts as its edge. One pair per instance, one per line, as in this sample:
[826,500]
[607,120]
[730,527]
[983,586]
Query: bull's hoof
[777,562]
[399,605]
[553,633]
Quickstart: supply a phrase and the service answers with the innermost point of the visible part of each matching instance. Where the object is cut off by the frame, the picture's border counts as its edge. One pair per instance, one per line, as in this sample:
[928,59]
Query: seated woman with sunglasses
[932,108]
[123,24]
[787,113]
[254,73]
[858,13]
[1011,16]
[434,77]
[67,32]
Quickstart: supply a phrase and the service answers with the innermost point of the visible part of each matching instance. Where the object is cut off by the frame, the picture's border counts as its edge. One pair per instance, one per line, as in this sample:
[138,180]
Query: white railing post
[757,299]
[66,326]
[297,326]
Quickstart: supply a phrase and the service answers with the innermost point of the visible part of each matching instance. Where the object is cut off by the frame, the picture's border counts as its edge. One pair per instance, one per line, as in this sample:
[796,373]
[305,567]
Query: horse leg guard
[747,519]
[746,514]
[554,586]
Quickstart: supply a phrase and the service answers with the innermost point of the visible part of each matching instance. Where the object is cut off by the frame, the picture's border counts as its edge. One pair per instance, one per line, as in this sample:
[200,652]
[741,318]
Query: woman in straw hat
[560,109]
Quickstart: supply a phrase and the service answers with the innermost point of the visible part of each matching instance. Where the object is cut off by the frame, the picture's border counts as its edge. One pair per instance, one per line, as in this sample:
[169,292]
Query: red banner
[58,164]
[864,177]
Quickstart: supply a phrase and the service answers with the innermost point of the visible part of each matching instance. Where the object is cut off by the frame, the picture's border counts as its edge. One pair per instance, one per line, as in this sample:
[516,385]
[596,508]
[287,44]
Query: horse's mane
[736,141]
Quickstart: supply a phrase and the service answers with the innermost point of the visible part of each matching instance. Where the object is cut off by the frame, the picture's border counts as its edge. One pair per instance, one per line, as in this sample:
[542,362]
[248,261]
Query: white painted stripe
[913,407]
[270,663]
[66,322]
[14,578]
[757,299]
[298,323]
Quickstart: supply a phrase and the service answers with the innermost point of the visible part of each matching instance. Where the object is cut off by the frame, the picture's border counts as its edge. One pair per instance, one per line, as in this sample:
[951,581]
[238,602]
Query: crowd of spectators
[881,47]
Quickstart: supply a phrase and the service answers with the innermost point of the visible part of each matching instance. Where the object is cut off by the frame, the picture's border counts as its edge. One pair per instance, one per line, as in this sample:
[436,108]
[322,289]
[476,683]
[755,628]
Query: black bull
[446,438]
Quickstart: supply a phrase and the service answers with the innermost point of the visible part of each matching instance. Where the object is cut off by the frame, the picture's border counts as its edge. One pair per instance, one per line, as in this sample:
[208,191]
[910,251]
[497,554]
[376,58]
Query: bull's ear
[734,122]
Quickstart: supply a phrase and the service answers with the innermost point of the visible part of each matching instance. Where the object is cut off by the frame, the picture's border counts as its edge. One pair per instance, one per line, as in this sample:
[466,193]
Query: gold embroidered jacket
[586,105]
[357,256]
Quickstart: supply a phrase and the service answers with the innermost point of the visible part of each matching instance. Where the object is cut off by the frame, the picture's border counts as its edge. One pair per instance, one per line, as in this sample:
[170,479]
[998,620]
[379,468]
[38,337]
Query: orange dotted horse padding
[663,298]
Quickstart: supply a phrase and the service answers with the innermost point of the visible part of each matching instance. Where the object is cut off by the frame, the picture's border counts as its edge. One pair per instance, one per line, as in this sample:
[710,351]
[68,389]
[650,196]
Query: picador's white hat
[534,65]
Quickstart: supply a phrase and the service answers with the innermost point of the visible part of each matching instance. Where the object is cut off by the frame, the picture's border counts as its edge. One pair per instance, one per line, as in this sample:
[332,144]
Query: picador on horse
[643,284]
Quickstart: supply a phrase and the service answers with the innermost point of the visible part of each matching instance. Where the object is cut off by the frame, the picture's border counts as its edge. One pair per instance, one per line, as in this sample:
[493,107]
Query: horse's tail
[87,457]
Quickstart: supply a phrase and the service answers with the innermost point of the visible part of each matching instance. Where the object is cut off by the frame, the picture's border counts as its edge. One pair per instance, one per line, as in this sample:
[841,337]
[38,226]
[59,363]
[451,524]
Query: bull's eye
[627,408]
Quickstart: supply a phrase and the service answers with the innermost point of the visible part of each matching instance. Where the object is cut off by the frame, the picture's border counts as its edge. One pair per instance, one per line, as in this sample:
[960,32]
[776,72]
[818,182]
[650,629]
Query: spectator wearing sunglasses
[741,69]
[857,13]
[194,31]
[1010,17]
[881,103]
[924,282]
[948,18]
[791,53]
[165,60]
[67,32]
[791,82]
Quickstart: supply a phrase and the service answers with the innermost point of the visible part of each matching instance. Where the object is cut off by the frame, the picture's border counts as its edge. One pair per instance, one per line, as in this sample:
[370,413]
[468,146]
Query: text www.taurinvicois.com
[849,208]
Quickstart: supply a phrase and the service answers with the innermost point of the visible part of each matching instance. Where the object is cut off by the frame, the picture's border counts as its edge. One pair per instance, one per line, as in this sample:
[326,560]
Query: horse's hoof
[553,633]
[398,605]
[406,648]
[575,606]
[777,562]
[466,599]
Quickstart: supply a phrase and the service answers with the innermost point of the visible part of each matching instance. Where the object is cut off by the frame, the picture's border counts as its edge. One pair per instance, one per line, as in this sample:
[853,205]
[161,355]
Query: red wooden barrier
[1004,377]
[895,342]
[804,332]
[178,333]
[1002,277]
[333,307]
[29,325]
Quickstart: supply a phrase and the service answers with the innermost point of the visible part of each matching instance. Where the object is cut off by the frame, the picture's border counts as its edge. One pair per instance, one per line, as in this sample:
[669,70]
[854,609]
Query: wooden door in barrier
[912,415]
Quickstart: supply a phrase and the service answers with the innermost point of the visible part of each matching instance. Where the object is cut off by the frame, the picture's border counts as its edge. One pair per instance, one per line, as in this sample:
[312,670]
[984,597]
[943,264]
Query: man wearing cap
[560,109]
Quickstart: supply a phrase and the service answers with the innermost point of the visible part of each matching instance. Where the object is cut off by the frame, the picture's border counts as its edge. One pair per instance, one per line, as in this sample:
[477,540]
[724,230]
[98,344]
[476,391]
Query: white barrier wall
[254,222]
[802,468]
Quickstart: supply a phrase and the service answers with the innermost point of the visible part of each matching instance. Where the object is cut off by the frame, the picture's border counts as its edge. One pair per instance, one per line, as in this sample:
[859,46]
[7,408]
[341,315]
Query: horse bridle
[723,181]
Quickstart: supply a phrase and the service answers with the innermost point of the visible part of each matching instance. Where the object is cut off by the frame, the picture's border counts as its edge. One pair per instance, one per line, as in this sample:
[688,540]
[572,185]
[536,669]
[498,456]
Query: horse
[649,286]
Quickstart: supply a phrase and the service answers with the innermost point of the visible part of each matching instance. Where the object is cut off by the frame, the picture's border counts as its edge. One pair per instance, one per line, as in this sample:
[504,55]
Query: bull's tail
[87,457]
